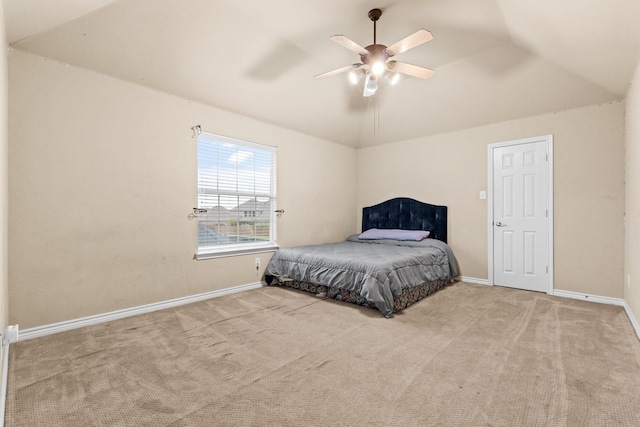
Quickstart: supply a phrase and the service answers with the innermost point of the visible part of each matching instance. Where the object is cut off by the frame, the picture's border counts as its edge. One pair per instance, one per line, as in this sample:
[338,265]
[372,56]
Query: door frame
[548,139]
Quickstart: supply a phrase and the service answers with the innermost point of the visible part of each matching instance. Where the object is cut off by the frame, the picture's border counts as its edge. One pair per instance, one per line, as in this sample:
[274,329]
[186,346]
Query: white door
[520,221]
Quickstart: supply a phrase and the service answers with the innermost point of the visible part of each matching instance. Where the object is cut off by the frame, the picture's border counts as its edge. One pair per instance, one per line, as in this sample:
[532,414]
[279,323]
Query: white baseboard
[632,319]
[588,297]
[40,331]
[4,360]
[474,280]
[54,328]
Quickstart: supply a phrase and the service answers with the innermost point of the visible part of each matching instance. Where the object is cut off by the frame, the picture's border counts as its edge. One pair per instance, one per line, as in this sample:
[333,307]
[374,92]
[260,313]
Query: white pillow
[393,234]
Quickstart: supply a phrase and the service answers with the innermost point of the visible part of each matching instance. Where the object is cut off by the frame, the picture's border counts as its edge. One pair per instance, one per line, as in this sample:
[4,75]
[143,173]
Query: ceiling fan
[375,61]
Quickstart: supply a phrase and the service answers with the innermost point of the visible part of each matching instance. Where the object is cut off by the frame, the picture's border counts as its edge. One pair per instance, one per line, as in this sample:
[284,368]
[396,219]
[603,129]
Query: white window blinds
[236,186]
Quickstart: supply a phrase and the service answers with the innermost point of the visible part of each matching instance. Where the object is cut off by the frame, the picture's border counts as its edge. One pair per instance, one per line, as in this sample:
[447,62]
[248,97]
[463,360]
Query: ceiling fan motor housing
[377,52]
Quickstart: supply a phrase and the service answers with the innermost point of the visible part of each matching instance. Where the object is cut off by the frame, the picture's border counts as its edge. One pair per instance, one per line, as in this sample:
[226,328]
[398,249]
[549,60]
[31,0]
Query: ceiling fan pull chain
[376,117]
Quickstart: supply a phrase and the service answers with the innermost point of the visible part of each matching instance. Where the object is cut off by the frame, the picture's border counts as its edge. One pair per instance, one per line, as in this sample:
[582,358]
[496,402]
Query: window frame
[234,249]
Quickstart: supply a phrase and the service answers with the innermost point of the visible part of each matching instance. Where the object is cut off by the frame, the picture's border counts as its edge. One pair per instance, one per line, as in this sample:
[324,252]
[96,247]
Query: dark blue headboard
[407,214]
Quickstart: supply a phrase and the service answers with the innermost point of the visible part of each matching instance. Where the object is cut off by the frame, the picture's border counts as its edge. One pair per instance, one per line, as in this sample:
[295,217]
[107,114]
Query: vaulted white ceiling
[494,60]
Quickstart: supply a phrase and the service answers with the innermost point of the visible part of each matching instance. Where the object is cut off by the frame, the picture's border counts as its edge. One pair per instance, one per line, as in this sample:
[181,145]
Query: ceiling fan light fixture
[370,86]
[355,76]
[392,77]
[378,68]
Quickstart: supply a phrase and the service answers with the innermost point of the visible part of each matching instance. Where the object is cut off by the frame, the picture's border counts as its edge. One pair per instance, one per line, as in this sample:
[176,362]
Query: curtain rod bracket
[197,130]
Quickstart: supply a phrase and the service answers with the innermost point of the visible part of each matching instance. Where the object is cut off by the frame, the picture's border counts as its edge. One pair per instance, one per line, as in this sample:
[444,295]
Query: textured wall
[4,134]
[451,169]
[103,178]
[632,197]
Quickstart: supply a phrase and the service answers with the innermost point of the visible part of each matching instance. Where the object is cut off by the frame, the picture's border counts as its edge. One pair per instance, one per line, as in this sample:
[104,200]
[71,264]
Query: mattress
[376,270]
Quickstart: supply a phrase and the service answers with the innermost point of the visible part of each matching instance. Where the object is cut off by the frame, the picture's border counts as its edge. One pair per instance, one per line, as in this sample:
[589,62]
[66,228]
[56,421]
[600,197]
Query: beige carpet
[469,355]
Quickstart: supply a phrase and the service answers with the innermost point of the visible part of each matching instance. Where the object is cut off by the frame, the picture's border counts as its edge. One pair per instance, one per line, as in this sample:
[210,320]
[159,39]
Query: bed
[389,266]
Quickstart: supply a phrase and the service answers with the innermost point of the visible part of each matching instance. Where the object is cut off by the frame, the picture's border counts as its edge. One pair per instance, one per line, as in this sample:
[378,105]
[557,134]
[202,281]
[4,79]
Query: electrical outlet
[257,263]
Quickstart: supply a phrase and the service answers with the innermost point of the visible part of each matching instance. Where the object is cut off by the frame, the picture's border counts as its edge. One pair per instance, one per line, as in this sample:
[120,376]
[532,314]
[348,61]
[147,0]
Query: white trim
[248,251]
[549,141]
[5,379]
[632,319]
[40,331]
[475,280]
[550,211]
[589,297]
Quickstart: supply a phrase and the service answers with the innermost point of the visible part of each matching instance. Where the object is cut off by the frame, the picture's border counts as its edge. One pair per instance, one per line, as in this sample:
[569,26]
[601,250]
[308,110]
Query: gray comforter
[378,269]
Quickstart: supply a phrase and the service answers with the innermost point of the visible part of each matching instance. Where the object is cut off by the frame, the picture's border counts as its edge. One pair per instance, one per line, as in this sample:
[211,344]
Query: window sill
[234,252]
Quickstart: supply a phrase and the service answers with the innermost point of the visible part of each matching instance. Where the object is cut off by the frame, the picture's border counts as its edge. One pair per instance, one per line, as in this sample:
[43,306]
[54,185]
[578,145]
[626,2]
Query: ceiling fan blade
[412,70]
[415,39]
[338,71]
[349,44]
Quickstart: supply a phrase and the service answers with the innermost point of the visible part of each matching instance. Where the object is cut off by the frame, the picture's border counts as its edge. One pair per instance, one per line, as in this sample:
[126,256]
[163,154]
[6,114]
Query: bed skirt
[408,297]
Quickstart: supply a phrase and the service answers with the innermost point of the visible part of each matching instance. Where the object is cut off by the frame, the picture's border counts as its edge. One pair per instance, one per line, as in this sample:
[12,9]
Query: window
[236,186]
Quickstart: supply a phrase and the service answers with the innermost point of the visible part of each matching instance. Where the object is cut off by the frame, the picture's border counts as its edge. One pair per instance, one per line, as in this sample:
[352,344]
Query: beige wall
[103,178]
[451,169]
[632,197]
[4,134]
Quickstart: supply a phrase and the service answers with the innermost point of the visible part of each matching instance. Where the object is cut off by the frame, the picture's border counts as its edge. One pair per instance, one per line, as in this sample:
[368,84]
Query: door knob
[499,224]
